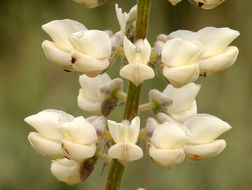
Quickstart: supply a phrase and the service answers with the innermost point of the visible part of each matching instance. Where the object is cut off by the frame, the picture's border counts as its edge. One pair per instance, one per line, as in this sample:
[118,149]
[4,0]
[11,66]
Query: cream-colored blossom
[183,101]
[58,50]
[166,144]
[47,139]
[138,56]
[67,171]
[180,61]
[204,130]
[79,139]
[218,55]
[92,51]
[125,136]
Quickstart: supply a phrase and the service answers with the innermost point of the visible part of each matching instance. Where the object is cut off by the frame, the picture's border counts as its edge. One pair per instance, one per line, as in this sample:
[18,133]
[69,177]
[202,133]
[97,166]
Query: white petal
[125,152]
[215,40]
[129,50]
[181,75]
[177,52]
[60,30]
[183,115]
[121,17]
[219,62]
[89,65]
[205,128]
[117,130]
[199,152]
[91,86]
[133,130]
[45,147]
[78,152]
[57,56]
[182,34]
[92,107]
[94,43]
[166,157]
[46,123]
[182,98]
[137,73]
[79,131]
[67,171]
[168,136]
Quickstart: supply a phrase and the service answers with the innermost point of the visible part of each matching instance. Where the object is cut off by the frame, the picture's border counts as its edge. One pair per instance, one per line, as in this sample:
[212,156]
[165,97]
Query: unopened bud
[162,117]
[150,126]
[111,88]
[99,123]
[159,100]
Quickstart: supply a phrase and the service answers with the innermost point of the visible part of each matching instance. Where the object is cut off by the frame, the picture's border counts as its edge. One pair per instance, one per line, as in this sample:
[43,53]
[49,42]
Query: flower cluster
[175,132]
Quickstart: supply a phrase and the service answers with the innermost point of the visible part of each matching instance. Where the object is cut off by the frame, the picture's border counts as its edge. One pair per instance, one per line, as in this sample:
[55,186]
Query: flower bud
[151,125]
[99,123]
[204,129]
[67,171]
[159,101]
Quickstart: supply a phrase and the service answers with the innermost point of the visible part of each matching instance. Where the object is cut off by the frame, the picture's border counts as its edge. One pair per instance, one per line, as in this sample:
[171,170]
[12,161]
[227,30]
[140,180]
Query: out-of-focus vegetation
[29,83]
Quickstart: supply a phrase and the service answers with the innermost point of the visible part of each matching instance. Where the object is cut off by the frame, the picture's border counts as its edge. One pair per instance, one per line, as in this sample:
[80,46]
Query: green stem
[116,169]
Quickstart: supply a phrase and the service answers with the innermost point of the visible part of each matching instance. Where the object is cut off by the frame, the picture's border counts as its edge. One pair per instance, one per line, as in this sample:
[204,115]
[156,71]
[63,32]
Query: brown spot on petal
[73,60]
[196,157]
[201,4]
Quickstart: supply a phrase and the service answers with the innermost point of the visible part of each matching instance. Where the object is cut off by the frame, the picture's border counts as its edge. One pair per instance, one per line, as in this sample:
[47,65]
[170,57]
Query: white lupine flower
[180,59]
[204,130]
[174,2]
[125,136]
[47,139]
[67,171]
[58,50]
[122,18]
[218,55]
[90,97]
[166,144]
[183,101]
[138,56]
[92,51]
[79,139]
[207,4]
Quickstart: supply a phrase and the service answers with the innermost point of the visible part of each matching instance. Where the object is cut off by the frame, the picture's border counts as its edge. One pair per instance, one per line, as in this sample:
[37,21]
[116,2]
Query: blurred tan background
[29,83]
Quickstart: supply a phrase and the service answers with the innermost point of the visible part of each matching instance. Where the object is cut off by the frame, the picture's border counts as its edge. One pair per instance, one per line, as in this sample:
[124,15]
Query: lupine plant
[175,132]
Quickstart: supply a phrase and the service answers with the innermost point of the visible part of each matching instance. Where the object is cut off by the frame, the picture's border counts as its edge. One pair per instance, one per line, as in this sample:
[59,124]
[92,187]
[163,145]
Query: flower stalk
[116,169]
